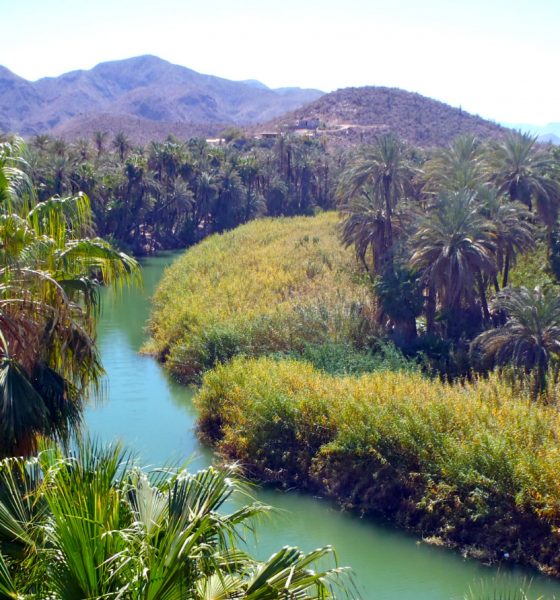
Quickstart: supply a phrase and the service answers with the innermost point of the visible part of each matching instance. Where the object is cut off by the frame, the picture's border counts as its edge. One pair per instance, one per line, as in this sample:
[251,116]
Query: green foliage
[475,464]
[532,270]
[508,590]
[345,359]
[173,194]
[530,338]
[269,286]
[554,257]
[95,525]
[50,274]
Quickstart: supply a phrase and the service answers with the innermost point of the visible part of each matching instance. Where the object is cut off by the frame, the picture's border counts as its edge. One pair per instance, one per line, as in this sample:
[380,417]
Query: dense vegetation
[50,274]
[437,255]
[173,194]
[422,259]
[475,465]
[468,457]
[436,241]
[274,285]
[95,525]
[91,524]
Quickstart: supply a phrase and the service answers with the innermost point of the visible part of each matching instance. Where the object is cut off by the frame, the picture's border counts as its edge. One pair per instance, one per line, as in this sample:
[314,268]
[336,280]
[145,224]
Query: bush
[469,463]
[269,286]
[345,359]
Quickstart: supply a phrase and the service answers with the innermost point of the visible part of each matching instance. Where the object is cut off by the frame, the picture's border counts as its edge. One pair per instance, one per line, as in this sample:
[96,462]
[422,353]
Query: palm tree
[530,337]
[455,249]
[514,229]
[370,190]
[526,173]
[122,145]
[100,140]
[94,525]
[50,272]
[455,168]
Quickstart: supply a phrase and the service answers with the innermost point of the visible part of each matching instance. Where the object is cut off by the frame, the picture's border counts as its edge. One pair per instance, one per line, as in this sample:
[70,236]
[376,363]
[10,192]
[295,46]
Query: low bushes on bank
[471,464]
[268,286]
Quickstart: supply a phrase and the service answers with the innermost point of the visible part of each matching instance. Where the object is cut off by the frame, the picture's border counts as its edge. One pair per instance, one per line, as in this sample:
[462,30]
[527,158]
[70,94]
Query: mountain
[140,131]
[144,87]
[357,115]
[548,134]
[549,138]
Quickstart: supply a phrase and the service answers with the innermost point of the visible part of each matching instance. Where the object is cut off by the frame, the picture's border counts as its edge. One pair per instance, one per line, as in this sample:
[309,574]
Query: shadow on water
[155,416]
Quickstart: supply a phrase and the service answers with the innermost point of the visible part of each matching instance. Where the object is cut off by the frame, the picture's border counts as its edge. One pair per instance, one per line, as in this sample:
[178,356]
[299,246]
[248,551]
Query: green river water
[154,416]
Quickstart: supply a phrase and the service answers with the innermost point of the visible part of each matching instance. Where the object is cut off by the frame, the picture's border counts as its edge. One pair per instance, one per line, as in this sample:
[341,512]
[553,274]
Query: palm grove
[438,234]
[89,523]
[439,240]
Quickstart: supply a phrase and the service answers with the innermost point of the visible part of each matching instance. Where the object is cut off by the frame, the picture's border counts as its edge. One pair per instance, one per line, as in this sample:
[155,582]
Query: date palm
[370,190]
[530,337]
[94,525]
[100,141]
[514,229]
[122,145]
[455,250]
[460,166]
[526,173]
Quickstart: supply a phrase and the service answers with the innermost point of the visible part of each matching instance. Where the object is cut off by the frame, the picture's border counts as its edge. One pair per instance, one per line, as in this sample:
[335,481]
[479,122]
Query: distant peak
[5,73]
[254,83]
[145,60]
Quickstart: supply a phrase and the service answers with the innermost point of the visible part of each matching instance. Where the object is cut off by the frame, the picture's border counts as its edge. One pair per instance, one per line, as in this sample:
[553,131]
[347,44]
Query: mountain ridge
[147,97]
[146,87]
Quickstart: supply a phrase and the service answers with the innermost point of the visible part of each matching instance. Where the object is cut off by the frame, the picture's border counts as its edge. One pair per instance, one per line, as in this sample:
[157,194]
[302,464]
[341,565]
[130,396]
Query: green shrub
[268,286]
[472,463]
[346,359]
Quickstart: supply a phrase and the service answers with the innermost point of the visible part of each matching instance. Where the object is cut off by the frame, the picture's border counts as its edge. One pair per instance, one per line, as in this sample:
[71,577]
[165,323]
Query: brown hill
[139,131]
[144,87]
[357,115]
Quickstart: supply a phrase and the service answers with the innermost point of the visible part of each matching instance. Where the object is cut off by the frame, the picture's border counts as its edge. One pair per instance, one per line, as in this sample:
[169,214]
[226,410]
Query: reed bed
[273,285]
[474,465]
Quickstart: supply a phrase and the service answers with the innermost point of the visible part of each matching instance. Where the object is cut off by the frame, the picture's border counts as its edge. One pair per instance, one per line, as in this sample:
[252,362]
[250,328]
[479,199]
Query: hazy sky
[497,58]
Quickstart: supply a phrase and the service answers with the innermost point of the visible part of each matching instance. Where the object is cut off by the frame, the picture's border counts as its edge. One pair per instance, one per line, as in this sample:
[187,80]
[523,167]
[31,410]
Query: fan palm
[370,190]
[530,337]
[455,249]
[93,525]
[49,296]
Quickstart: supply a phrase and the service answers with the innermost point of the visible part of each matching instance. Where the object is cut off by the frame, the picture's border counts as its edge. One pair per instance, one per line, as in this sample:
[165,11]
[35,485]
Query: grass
[474,464]
[268,286]
[533,269]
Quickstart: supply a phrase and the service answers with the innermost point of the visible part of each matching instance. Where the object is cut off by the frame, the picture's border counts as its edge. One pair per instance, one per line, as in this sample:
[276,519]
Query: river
[154,416]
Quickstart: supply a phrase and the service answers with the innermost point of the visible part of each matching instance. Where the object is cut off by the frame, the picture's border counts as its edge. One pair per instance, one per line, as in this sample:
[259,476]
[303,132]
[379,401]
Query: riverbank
[471,466]
[273,285]
[387,562]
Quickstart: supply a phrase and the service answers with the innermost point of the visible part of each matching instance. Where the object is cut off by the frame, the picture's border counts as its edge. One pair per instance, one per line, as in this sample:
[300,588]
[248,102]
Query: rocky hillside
[146,88]
[136,129]
[356,115]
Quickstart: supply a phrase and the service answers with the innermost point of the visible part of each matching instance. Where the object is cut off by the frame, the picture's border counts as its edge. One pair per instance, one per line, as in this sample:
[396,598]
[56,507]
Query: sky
[496,58]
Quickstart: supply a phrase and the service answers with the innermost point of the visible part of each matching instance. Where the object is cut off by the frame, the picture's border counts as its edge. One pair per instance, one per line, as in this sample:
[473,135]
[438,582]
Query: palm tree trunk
[388,259]
[430,310]
[506,271]
[540,377]
[483,300]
